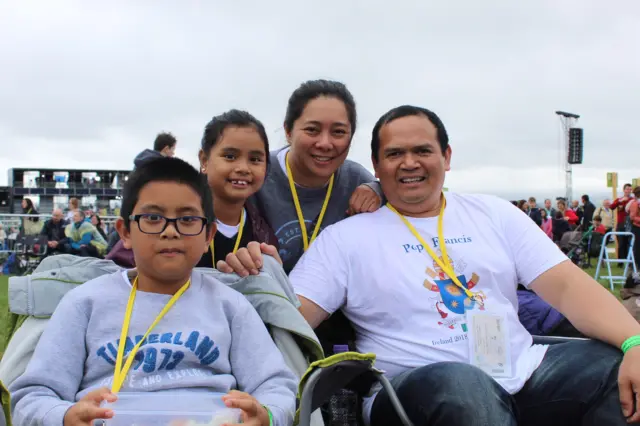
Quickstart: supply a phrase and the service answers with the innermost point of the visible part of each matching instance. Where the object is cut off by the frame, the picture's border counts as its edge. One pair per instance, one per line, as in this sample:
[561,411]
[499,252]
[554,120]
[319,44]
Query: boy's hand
[253,414]
[88,409]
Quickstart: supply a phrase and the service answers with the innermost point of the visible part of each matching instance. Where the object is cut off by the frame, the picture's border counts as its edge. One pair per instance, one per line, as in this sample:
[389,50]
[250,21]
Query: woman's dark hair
[30,208]
[215,128]
[97,219]
[406,111]
[313,89]
[559,215]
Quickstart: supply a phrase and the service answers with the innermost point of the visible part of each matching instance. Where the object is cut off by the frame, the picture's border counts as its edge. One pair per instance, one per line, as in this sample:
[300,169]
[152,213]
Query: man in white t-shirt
[445,328]
[407,309]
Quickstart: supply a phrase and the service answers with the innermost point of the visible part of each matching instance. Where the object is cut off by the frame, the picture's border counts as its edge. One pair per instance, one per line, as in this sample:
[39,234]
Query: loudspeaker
[575,145]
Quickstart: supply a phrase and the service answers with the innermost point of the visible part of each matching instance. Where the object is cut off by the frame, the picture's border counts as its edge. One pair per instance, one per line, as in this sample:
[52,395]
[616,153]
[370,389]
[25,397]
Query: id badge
[489,344]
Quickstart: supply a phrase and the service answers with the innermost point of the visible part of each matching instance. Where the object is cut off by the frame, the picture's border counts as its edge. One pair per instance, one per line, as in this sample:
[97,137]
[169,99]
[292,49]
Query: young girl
[234,158]
[547,223]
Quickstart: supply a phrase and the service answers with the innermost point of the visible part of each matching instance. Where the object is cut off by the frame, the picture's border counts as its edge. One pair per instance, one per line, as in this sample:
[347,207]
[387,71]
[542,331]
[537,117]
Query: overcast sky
[90,84]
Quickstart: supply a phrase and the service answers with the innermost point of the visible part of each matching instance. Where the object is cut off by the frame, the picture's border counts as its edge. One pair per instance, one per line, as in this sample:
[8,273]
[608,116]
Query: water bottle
[344,405]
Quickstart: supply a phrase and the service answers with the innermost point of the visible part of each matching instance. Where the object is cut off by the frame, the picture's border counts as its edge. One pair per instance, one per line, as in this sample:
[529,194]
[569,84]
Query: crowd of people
[391,266]
[584,216]
[79,232]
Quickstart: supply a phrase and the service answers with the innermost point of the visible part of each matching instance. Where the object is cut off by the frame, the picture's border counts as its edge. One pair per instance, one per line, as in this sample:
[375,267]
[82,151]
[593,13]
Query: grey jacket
[38,294]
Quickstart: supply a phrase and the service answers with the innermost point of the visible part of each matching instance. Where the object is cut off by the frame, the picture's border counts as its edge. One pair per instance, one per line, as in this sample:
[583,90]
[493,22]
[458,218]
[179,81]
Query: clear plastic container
[171,409]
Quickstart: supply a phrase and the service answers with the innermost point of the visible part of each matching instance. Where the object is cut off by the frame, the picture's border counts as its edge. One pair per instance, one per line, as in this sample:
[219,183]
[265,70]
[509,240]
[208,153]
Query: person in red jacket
[569,215]
[634,215]
[620,205]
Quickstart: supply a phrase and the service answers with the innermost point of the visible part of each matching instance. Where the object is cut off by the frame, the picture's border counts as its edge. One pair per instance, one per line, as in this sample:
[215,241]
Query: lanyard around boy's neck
[444,263]
[236,245]
[120,372]
[294,194]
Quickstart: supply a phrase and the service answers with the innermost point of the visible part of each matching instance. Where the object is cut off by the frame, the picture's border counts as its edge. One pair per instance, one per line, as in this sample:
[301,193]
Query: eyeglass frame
[167,220]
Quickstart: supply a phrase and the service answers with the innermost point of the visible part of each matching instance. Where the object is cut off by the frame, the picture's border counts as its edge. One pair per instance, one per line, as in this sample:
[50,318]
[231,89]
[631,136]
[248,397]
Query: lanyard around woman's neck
[120,372]
[294,194]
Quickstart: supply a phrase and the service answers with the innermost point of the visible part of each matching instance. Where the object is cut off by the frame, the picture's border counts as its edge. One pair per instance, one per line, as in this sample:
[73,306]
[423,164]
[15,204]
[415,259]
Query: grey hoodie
[211,340]
[146,155]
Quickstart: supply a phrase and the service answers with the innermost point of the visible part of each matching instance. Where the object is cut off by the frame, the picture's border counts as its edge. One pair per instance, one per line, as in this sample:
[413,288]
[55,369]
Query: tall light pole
[568,121]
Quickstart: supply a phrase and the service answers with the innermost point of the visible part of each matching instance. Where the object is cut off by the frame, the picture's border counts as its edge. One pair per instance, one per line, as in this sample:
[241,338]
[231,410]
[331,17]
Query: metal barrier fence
[12,221]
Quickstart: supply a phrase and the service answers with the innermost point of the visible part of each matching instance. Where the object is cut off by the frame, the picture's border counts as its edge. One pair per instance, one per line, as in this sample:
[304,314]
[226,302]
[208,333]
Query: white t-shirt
[230,231]
[376,271]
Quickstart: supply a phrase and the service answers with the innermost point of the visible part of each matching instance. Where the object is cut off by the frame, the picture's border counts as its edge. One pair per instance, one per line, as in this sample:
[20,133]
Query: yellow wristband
[631,342]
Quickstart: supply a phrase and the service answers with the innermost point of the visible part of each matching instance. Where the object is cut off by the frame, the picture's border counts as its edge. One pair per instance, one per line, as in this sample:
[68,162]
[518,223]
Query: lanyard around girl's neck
[236,245]
[120,372]
[444,263]
[294,194]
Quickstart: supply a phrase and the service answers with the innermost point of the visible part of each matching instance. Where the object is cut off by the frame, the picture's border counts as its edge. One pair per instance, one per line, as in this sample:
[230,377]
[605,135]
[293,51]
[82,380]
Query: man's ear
[210,235]
[447,159]
[375,166]
[125,234]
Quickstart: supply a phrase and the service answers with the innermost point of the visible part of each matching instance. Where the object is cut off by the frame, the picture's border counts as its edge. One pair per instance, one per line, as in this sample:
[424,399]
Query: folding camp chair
[322,382]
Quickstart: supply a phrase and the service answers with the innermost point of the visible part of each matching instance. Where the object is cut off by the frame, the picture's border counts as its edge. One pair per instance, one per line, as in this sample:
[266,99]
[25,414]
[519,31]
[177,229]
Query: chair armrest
[323,382]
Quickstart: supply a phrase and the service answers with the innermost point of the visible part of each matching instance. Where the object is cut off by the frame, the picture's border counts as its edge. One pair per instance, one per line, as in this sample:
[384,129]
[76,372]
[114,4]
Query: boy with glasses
[207,337]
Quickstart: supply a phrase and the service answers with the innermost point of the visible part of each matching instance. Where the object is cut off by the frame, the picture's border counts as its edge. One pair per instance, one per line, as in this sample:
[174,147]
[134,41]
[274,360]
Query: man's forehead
[408,131]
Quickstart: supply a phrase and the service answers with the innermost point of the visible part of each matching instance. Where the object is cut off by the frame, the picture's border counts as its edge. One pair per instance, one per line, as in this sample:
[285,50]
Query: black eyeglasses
[152,223]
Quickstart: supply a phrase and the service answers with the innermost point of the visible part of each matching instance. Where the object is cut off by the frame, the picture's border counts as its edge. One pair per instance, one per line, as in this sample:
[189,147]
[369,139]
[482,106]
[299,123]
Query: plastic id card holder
[489,344]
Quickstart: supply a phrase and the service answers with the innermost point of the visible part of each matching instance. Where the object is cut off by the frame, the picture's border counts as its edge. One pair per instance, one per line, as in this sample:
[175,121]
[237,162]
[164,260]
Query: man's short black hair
[406,111]
[164,140]
[585,198]
[165,169]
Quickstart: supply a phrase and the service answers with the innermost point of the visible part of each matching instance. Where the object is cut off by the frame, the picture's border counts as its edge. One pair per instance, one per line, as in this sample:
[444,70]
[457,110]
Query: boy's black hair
[406,111]
[164,140]
[215,128]
[313,89]
[166,169]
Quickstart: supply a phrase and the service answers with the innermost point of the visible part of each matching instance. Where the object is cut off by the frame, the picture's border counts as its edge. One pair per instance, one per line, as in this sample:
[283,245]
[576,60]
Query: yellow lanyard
[444,263]
[120,372]
[235,247]
[303,228]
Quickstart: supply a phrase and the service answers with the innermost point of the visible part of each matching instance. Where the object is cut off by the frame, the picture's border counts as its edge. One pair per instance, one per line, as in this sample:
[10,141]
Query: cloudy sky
[89,84]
